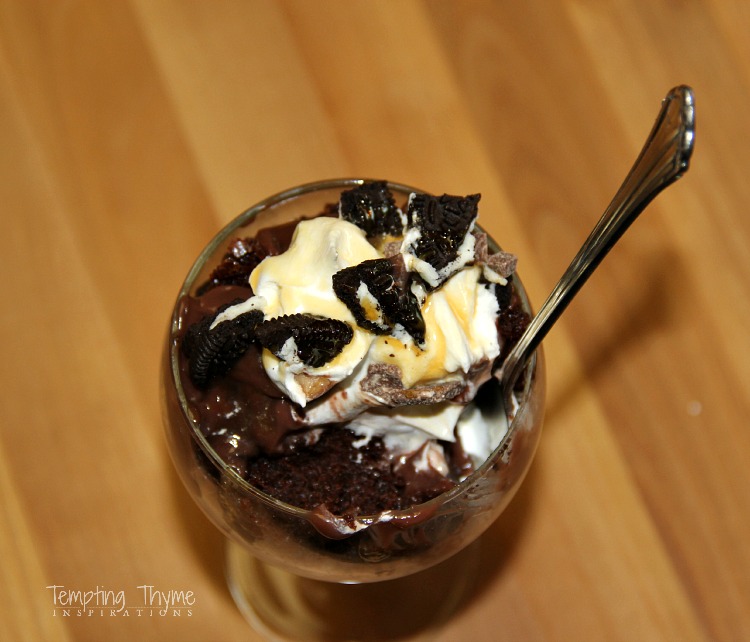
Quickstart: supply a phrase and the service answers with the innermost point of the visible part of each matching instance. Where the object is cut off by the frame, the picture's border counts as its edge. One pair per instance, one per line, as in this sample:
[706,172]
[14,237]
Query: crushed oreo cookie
[371,207]
[378,298]
[211,353]
[442,244]
[311,339]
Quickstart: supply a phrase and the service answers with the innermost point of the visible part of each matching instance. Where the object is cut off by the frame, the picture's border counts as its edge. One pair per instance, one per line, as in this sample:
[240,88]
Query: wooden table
[133,129]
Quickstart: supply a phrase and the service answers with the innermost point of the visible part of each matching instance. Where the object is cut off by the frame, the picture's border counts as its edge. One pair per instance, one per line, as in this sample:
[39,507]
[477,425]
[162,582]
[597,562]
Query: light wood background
[131,130]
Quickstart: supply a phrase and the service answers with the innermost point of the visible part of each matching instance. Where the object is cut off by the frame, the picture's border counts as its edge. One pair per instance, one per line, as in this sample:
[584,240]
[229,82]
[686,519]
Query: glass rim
[219,239]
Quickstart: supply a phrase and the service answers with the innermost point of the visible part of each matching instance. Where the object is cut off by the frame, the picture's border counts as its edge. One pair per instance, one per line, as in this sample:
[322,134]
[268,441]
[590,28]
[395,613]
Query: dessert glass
[286,566]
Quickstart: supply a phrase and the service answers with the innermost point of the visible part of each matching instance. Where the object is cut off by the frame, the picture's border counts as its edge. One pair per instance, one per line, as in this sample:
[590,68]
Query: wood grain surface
[131,130]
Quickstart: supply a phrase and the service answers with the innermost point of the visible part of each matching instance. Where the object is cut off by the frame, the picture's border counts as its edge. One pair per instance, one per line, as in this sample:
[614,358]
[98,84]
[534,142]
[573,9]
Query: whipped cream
[460,332]
[460,343]
[299,281]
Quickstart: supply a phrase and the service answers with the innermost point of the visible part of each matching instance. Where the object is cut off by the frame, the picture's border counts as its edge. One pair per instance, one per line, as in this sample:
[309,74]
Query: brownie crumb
[347,479]
[512,322]
[240,259]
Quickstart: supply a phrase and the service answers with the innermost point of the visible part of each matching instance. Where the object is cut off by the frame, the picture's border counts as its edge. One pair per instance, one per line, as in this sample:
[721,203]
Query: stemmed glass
[297,575]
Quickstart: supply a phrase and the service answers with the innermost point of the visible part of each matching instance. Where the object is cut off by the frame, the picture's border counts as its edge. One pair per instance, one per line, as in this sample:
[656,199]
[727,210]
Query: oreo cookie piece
[307,338]
[376,294]
[438,241]
[504,294]
[211,353]
[371,207]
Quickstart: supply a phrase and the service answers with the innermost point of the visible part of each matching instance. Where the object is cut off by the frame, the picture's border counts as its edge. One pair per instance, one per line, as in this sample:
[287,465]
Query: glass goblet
[301,574]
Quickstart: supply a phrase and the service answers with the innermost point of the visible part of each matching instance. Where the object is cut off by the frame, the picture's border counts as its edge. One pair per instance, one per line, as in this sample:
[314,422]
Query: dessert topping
[212,351]
[371,207]
[376,294]
[304,338]
[438,241]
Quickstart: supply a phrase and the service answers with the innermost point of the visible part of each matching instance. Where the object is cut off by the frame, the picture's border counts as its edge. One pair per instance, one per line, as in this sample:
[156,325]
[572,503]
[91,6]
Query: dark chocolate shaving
[481,247]
[502,263]
[317,339]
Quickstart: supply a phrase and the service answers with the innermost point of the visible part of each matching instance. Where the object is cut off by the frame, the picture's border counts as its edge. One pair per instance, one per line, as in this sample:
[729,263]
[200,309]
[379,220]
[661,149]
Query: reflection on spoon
[664,158]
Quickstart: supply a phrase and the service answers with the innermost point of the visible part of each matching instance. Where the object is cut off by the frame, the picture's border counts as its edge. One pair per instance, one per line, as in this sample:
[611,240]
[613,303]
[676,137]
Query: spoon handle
[664,158]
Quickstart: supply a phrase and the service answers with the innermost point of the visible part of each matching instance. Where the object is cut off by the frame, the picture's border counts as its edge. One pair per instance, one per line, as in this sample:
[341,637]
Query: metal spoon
[664,158]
